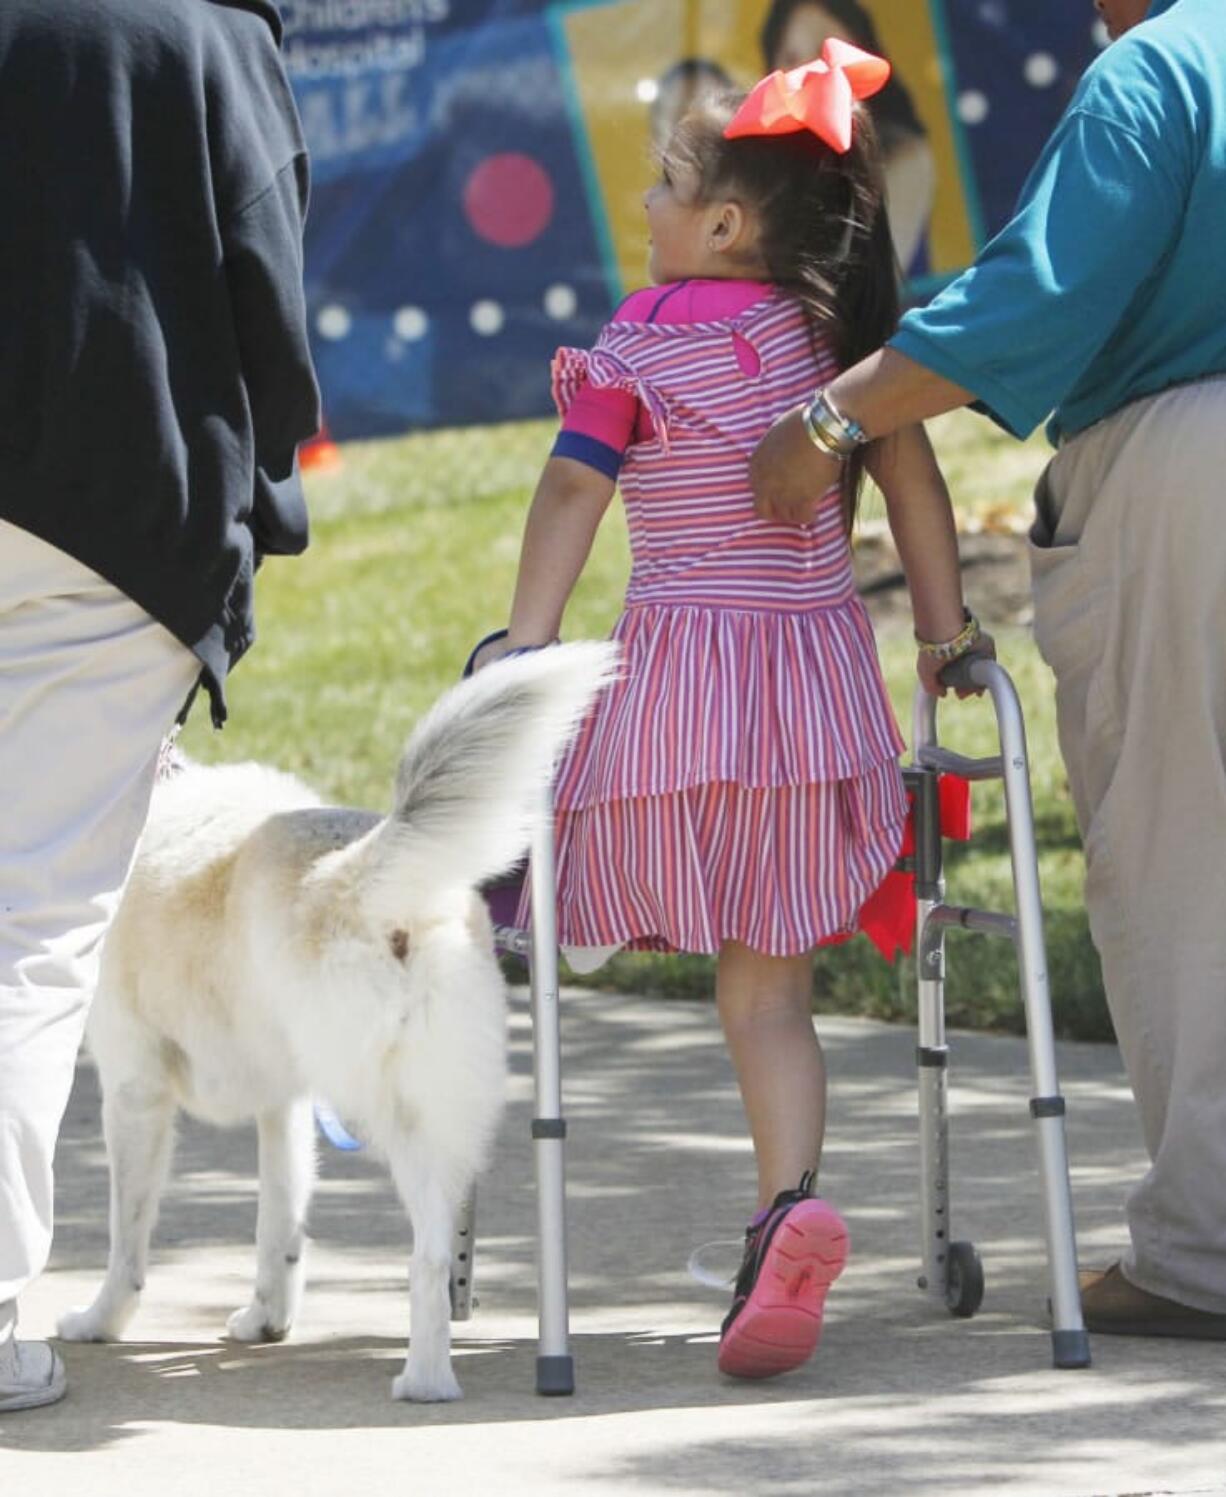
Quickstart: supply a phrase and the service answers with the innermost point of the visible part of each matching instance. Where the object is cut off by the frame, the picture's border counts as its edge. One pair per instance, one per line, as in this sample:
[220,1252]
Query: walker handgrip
[961,673]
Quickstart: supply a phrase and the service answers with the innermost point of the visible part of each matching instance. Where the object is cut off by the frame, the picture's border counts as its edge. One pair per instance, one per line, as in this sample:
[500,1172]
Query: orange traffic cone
[320,454]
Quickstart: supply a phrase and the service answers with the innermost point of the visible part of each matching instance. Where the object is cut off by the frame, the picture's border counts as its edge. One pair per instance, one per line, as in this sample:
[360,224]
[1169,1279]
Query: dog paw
[256,1323]
[85,1325]
[415,1387]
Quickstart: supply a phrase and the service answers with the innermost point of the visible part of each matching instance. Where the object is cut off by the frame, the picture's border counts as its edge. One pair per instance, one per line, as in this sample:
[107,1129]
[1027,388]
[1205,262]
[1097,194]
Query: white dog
[270,949]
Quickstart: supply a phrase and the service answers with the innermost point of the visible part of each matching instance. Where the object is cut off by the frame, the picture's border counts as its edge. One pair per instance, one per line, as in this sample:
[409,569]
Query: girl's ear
[731,230]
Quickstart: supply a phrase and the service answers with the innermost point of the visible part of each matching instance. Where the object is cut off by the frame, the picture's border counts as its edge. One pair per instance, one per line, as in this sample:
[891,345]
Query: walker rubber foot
[555,1376]
[1070,1349]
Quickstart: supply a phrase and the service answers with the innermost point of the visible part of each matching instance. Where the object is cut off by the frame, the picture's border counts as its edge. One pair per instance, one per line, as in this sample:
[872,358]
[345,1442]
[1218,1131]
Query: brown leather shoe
[1113,1306]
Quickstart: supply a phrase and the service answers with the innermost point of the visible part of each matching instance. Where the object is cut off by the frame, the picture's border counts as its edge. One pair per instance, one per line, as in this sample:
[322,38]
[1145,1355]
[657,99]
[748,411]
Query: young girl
[737,791]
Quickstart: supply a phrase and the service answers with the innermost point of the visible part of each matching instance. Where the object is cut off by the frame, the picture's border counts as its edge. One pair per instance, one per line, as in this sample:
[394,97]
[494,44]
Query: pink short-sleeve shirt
[601,423]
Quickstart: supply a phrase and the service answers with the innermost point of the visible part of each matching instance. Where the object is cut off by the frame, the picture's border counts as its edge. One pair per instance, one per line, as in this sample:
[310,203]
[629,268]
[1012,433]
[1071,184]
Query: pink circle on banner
[508,199]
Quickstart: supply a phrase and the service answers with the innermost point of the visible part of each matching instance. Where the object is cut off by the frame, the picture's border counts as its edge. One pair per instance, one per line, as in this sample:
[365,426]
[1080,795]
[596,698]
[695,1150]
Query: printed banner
[479,165]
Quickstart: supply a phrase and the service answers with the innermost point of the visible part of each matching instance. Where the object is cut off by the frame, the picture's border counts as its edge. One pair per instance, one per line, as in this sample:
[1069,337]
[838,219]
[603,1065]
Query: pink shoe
[791,1259]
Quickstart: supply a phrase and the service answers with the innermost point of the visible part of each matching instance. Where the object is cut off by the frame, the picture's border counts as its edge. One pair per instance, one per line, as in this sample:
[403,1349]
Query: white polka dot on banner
[973,107]
[1041,70]
[410,323]
[561,302]
[334,322]
[647,90]
[486,318]
[1099,32]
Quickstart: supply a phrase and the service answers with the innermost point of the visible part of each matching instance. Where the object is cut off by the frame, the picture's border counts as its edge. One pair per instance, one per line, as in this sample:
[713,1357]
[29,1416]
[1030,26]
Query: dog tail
[468,786]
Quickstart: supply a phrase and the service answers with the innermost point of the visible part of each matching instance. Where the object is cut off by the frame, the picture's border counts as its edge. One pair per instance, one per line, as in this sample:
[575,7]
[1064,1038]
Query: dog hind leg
[287,1176]
[138,1123]
[427,1376]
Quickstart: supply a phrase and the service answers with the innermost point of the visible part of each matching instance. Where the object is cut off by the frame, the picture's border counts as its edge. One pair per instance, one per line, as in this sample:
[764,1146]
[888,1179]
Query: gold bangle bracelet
[818,437]
[827,415]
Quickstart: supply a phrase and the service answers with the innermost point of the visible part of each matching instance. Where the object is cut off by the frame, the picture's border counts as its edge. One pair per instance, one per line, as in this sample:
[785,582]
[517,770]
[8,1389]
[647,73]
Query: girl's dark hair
[892,110]
[824,233]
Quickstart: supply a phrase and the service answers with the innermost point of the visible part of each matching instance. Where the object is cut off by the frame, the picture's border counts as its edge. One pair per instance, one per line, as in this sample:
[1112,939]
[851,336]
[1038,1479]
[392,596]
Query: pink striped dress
[740,781]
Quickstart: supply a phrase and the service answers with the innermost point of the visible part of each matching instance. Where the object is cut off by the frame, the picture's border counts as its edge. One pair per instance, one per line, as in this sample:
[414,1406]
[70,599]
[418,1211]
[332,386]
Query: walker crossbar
[947,762]
[951,1270]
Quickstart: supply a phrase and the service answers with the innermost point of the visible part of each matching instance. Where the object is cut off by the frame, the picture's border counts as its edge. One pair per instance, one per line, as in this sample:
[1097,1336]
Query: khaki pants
[89,684]
[1129,568]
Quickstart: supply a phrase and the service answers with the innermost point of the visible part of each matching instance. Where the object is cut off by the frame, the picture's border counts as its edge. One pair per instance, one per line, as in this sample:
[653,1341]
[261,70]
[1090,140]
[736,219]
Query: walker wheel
[963,1280]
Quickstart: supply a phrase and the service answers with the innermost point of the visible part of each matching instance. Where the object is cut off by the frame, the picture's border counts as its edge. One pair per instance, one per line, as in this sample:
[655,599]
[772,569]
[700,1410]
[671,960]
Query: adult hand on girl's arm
[883,393]
[789,474]
[567,508]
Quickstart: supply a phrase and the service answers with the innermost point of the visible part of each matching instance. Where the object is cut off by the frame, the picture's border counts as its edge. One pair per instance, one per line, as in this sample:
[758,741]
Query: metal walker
[952,1272]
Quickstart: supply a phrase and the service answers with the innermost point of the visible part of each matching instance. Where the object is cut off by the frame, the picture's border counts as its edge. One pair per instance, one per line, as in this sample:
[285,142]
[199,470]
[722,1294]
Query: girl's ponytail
[825,233]
[866,297]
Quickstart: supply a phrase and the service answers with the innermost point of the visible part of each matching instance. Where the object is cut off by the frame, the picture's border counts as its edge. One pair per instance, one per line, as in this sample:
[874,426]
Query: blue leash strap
[489,640]
[334,1130]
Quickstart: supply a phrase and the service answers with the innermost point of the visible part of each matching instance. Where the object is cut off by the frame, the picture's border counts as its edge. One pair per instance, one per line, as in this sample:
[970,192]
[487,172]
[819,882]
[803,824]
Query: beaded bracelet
[951,649]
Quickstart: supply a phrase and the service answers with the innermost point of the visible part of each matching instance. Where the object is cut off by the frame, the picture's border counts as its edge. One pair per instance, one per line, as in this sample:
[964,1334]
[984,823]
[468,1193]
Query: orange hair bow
[818,96]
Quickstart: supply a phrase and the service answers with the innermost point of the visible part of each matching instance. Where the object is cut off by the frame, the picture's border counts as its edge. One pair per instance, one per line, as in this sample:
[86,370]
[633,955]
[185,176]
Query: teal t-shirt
[1109,282]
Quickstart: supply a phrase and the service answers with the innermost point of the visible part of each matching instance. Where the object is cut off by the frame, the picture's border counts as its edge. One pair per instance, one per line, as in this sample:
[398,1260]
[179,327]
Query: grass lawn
[413,560]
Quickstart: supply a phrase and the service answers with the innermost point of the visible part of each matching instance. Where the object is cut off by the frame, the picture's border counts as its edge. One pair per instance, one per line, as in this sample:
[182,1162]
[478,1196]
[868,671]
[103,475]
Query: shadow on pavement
[899,1397]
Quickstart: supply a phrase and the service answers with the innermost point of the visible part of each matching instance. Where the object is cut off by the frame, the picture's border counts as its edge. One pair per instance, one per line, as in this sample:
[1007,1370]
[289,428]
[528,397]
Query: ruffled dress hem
[781,870]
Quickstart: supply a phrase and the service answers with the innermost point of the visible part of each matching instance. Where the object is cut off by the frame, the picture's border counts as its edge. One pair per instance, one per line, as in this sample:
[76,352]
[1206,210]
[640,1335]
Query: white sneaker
[31,1374]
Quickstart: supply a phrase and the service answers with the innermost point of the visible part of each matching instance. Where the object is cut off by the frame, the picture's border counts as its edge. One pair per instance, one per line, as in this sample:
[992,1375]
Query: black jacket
[155,377]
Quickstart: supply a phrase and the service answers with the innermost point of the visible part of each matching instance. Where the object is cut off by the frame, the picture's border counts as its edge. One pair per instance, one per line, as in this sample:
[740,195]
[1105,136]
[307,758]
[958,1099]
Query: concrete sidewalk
[900,1398]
